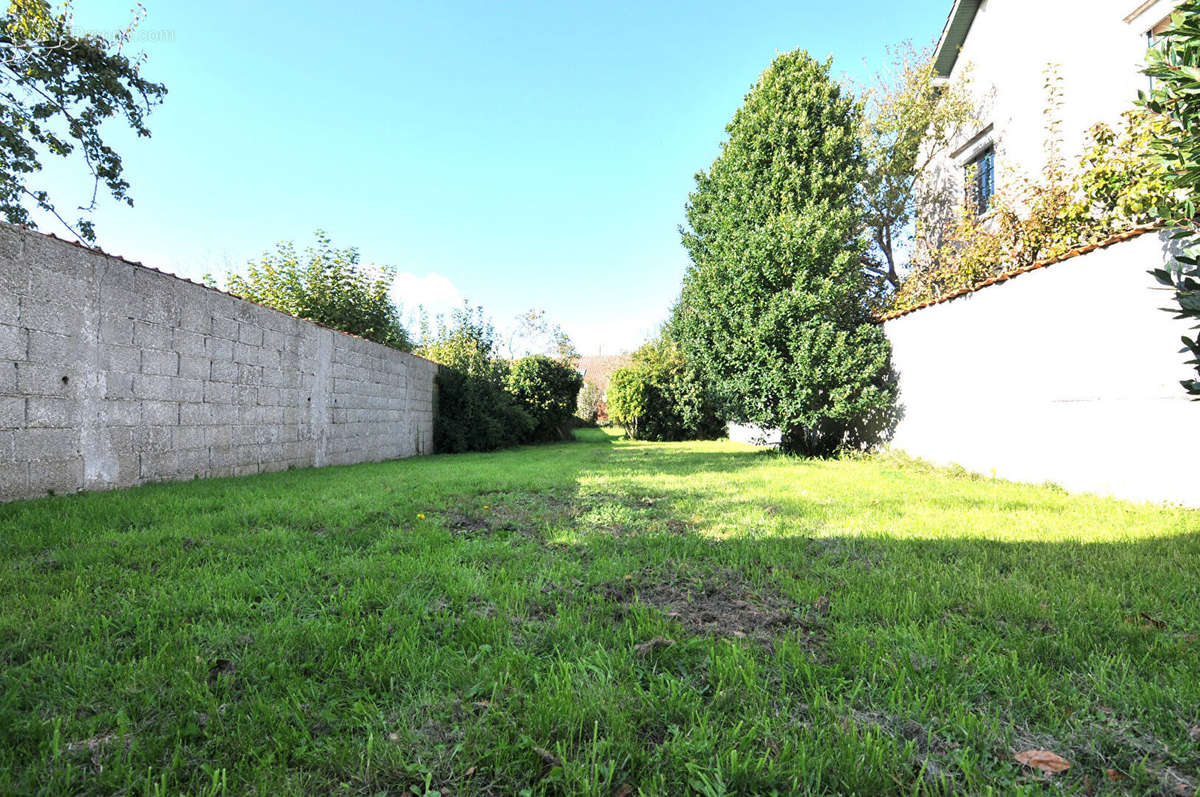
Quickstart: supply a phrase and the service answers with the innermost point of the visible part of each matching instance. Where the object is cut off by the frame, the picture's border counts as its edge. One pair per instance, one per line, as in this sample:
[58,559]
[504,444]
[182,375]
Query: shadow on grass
[954,650]
[660,616]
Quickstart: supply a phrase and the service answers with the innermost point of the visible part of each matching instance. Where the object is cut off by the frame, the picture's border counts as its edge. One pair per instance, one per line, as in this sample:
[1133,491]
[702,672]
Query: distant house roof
[958,25]
[597,370]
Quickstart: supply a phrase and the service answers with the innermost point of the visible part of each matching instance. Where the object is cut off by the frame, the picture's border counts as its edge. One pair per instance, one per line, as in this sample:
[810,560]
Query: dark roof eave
[958,25]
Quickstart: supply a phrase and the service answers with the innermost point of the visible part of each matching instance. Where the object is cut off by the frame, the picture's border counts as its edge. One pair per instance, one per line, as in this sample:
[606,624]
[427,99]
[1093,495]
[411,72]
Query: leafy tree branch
[57,89]
[326,285]
[910,121]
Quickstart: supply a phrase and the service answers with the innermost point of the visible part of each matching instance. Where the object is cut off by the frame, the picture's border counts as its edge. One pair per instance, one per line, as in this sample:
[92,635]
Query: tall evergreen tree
[774,305]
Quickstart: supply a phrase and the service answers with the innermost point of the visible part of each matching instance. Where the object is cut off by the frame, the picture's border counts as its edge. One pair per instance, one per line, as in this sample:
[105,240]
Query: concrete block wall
[112,375]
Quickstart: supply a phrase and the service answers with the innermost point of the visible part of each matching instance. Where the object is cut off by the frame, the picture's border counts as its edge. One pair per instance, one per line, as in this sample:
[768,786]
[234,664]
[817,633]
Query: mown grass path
[599,617]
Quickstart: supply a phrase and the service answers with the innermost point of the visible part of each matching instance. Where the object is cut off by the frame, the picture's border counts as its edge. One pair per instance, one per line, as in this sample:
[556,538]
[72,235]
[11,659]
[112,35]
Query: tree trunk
[822,441]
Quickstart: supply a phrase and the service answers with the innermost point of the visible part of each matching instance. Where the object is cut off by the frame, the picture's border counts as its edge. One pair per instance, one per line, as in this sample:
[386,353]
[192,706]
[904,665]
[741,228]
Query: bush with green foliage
[1175,69]
[326,285]
[547,389]
[775,309]
[484,403]
[665,398]
[626,399]
[476,414]
[475,411]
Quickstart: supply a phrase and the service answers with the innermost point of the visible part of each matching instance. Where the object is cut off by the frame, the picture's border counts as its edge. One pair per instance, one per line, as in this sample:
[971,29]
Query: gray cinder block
[112,374]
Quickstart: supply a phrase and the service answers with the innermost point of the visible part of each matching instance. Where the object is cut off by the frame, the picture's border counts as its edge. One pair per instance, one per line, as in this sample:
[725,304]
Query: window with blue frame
[981,180]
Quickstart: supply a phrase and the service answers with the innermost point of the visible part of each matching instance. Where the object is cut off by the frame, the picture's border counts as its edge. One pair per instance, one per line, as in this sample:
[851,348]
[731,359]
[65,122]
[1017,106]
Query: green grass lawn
[599,617]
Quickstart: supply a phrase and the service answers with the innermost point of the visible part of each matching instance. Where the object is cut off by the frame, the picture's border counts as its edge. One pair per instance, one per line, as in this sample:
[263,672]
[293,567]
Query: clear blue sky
[515,153]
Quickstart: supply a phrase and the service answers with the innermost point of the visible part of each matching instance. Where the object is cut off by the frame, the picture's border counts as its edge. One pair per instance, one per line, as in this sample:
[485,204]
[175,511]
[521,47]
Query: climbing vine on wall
[1112,187]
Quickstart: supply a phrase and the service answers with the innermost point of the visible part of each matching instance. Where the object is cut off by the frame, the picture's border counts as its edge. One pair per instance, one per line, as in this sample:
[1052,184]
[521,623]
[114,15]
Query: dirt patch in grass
[94,749]
[531,512]
[466,525]
[622,515]
[521,512]
[718,604]
[46,562]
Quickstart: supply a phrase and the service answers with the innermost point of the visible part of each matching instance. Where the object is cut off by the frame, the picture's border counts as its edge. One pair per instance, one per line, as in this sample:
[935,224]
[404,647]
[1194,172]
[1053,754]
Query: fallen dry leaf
[470,771]
[653,645]
[548,757]
[1046,761]
[1112,774]
[625,790]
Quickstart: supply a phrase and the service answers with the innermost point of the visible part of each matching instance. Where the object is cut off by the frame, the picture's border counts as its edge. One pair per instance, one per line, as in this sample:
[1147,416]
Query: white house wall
[1099,54]
[1069,374]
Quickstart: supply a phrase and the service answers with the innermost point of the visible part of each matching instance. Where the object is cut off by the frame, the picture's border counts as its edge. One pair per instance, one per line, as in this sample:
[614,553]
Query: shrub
[547,390]
[474,410]
[476,414]
[626,398]
[1175,69]
[775,308]
[671,399]
[326,285]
